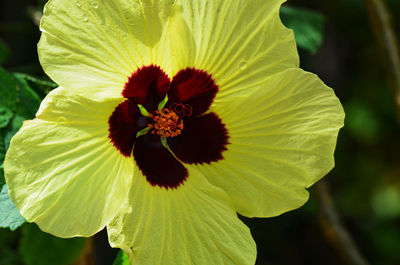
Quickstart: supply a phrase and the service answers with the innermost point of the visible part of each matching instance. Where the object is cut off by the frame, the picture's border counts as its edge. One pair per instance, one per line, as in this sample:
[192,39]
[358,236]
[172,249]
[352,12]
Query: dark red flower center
[162,136]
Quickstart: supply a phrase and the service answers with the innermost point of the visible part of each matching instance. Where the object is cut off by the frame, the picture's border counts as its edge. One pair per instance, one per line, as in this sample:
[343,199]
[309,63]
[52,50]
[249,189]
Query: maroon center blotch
[194,135]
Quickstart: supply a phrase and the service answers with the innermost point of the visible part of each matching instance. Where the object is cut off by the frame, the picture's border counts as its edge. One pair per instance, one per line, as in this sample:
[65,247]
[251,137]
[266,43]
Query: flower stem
[380,19]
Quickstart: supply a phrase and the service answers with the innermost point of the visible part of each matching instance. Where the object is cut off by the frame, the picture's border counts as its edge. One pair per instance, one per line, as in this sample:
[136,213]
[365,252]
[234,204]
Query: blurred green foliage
[8,99]
[53,250]
[307,26]
[386,203]
[9,254]
[4,52]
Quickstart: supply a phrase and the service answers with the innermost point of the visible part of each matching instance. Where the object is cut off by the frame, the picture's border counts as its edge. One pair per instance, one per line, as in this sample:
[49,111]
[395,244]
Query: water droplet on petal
[61,105]
[242,65]
[61,119]
[78,3]
[95,5]
[85,18]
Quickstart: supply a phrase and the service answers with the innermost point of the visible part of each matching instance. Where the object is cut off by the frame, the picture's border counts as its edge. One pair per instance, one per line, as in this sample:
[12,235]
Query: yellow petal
[61,169]
[101,43]
[193,224]
[93,47]
[239,42]
[282,139]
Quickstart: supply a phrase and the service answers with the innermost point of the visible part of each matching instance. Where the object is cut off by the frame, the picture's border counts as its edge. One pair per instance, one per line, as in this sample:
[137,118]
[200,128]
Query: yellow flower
[171,116]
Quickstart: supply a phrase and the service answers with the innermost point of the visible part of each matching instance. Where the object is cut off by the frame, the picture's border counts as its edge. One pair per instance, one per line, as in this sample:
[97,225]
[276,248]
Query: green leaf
[9,214]
[40,86]
[29,99]
[8,97]
[5,137]
[4,52]
[121,259]
[2,155]
[306,24]
[5,116]
[41,248]
[2,180]
[8,91]
[12,129]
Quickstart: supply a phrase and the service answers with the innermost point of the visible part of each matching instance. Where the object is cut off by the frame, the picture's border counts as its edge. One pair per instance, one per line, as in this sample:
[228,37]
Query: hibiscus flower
[171,117]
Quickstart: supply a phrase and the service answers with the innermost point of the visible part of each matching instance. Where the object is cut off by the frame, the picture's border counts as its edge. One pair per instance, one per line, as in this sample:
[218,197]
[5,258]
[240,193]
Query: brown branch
[380,19]
[332,227]
[35,15]
[87,256]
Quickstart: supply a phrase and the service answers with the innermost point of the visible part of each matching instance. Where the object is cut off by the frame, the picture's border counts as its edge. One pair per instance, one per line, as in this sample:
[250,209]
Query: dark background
[365,183]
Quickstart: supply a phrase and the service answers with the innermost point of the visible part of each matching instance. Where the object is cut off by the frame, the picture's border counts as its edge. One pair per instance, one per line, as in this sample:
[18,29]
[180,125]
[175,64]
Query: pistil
[166,123]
